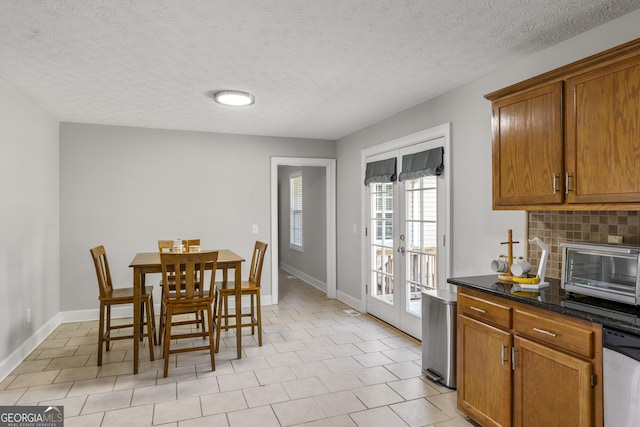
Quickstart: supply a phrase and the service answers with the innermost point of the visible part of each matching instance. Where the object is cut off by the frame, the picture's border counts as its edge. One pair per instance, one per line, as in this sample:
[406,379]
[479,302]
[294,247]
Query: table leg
[137,279]
[142,317]
[238,287]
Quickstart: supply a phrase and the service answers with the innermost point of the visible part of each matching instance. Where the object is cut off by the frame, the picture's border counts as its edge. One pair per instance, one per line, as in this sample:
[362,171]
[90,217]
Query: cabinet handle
[542,331]
[513,358]
[479,310]
[503,361]
[567,175]
[555,183]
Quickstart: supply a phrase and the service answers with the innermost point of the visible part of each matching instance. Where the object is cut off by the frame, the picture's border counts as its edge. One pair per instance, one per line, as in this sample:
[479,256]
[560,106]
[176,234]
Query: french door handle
[401,249]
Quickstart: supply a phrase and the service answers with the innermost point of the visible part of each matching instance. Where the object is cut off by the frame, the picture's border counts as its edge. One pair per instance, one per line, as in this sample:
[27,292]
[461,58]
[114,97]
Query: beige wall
[29,225]
[125,188]
[118,187]
[477,229]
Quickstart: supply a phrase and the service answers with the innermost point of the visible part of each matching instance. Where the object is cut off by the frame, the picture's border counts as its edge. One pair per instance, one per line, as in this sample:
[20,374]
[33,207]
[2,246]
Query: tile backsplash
[556,227]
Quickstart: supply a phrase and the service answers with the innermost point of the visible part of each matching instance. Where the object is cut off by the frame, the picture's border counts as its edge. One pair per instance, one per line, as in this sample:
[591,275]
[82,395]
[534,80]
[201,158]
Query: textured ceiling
[318,68]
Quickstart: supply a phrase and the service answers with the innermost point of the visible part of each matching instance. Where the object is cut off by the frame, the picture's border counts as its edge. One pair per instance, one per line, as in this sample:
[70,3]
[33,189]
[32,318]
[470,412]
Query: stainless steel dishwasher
[439,336]
[621,378]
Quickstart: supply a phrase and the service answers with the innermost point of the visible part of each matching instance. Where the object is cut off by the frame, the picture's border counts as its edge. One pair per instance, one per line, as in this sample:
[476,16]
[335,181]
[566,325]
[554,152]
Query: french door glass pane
[421,239]
[382,241]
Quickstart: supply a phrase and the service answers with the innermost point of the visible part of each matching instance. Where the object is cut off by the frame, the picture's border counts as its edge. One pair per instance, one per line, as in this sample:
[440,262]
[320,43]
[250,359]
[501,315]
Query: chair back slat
[255,273]
[190,268]
[165,245]
[190,242]
[103,273]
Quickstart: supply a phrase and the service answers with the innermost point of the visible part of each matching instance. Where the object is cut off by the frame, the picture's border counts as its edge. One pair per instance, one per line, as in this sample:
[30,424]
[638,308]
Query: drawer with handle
[485,311]
[564,335]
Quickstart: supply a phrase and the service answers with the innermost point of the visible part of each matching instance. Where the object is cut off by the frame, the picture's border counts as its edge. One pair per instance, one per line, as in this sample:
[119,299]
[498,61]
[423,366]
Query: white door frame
[443,130]
[330,177]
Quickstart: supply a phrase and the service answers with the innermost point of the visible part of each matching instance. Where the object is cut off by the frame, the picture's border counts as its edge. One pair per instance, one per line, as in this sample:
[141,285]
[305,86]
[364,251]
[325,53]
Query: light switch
[254,228]
[355,228]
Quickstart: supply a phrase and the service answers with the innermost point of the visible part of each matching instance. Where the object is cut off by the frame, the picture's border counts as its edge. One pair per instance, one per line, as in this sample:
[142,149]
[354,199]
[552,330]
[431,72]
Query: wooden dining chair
[112,296]
[165,246]
[190,243]
[250,287]
[190,295]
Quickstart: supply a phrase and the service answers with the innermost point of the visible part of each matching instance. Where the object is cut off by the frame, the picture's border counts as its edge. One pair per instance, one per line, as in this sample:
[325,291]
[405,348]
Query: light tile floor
[318,366]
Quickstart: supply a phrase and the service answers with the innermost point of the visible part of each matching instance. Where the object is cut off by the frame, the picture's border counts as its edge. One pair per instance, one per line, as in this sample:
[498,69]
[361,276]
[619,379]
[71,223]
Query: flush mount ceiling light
[235,98]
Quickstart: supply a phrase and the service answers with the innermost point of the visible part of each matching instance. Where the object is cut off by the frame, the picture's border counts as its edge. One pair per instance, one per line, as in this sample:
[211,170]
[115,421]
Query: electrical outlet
[614,239]
[254,228]
[28,315]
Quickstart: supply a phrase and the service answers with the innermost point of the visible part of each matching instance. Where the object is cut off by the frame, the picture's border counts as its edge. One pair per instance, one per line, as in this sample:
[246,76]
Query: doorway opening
[329,166]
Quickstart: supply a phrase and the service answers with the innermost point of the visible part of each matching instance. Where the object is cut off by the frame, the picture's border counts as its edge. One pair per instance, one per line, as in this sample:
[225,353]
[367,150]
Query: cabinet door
[603,134]
[484,372]
[550,388]
[528,162]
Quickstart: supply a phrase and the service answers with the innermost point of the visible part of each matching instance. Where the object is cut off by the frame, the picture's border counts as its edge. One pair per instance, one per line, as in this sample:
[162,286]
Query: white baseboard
[124,312]
[120,312]
[12,361]
[341,296]
[351,301]
[318,284]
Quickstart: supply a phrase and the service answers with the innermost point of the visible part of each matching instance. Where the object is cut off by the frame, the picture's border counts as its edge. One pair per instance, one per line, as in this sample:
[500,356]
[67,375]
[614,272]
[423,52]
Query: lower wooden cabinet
[484,372]
[550,388]
[539,368]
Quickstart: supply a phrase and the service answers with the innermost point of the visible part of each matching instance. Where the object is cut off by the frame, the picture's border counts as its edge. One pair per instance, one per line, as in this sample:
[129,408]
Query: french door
[405,239]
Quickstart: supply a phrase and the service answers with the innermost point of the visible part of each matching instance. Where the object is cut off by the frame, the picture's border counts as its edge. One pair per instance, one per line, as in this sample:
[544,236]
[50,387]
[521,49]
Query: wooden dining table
[149,262]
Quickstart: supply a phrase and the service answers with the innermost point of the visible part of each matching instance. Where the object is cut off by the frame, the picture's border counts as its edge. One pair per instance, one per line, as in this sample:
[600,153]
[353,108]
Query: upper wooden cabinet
[603,134]
[528,147]
[570,138]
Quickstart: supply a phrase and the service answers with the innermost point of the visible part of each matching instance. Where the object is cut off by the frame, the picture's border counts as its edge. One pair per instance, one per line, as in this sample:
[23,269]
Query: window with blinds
[295,217]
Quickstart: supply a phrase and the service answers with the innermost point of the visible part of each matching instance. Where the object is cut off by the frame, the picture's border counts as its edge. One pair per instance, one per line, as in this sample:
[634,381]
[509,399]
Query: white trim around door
[330,168]
[442,131]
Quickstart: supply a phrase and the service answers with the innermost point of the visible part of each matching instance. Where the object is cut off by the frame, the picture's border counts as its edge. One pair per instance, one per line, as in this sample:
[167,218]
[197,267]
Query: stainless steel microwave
[603,271]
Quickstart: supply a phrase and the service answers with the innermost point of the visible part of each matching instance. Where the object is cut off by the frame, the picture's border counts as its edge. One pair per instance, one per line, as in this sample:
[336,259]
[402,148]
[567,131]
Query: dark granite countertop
[608,313]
